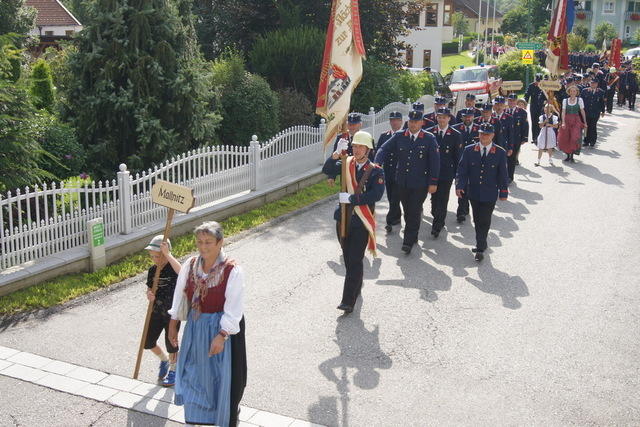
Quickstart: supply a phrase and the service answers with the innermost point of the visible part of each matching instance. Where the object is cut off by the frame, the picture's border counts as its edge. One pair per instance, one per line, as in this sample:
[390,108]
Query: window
[609,7]
[426,58]
[431,19]
[583,5]
[409,57]
[413,19]
[48,33]
[448,10]
[627,32]
[633,6]
[69,33]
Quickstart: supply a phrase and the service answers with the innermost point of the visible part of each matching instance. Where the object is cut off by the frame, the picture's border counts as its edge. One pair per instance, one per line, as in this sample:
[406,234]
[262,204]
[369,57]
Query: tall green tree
[141,92]
[459,23]
[604,31]
[20,151]
[15,17]
[42,86]
[582,31]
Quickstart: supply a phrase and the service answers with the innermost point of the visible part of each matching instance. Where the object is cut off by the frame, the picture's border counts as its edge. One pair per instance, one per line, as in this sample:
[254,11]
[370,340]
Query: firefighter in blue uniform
[450,145]
[520,131]
[535,97]
[354,124]
[395,212]
[438,103]
[418,169]
[487,116]
[469,102]
[594,107]
[469,132]
[482,175]
[416,106]
[506,125]
[370,187]
[629,85]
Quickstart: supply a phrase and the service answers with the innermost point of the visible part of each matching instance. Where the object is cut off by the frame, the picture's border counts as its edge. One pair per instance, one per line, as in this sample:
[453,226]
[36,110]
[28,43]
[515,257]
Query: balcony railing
[583,15]
[632,16]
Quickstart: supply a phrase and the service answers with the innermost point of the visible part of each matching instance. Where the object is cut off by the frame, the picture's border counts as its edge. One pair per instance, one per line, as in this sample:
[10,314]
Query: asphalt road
[544,331]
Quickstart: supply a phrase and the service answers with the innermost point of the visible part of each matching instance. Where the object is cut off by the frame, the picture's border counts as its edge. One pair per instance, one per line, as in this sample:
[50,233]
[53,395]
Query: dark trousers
[482,212]
[610,94]
[439,203]
[395,213]
[535,128]
[463,205]
[353,248]
[511,160]
[412,200]
[592,131]
[631,97]
[238,372]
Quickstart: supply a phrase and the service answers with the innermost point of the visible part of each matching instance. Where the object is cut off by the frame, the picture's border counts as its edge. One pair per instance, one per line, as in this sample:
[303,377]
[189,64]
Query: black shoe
[584,144]
[479,256]
[346,308]
[474,250]
[406,249]
[435,233]
[387,228]
[396,222]
[461,219]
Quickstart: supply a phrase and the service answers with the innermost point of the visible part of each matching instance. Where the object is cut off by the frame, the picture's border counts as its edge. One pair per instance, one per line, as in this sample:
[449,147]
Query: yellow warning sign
[527,57]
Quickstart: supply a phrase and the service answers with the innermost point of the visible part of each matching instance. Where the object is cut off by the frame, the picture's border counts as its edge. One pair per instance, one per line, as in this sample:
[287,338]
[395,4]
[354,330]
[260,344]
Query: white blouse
[234,296]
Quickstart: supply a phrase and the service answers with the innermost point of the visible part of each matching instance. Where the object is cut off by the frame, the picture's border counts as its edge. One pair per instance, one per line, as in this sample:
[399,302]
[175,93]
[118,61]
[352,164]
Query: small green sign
[97,234]
[528,45]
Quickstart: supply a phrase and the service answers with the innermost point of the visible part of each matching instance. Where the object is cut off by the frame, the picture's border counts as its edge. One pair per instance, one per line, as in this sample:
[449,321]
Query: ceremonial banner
[616,47]
[557,47]
[341,65]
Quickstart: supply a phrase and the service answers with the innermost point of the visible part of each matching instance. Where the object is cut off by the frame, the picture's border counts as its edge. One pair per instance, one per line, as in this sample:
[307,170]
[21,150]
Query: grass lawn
[66,288]
[451,62]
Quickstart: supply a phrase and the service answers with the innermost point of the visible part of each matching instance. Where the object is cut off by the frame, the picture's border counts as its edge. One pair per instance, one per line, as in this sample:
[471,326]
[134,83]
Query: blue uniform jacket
[450,147]
[468,137]
[506,131]
[520,125]
[476,113]
[418,162]
[391,162]
[593,102]
[371,193]
[483,180]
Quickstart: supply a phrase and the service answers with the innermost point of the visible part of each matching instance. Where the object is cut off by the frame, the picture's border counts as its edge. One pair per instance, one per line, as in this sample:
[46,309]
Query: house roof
[470,8]
[52,13]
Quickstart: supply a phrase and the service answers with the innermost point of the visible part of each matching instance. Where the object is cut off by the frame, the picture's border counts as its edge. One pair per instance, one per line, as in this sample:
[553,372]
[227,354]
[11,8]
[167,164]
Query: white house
[429,28]
[54,22]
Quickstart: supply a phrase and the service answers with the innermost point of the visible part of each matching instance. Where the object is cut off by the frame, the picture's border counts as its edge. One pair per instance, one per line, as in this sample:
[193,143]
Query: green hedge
[452,46]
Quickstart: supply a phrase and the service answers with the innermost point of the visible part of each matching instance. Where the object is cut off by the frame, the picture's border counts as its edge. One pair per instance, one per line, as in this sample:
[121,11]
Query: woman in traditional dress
[573,121]
[212,366]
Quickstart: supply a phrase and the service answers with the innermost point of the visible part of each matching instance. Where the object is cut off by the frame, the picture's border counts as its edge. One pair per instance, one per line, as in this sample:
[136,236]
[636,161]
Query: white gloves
[342,145]
[344,198]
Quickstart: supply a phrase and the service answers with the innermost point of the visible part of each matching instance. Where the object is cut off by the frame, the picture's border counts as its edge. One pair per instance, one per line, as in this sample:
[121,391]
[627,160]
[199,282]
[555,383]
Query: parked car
[632,53]
[439,85]
[482,81]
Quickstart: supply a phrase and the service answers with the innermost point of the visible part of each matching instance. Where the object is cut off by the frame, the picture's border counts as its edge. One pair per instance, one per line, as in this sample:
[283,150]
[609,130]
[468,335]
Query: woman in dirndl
[573,121]
[212,366]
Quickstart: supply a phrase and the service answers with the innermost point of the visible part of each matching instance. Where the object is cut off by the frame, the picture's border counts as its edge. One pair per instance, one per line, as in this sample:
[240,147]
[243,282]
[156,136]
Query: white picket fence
[41,221]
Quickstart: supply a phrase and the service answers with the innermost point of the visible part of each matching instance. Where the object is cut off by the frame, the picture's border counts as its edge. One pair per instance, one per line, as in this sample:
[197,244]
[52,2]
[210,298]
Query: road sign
[549,85]
[528,46]
[512,85]
[527,57]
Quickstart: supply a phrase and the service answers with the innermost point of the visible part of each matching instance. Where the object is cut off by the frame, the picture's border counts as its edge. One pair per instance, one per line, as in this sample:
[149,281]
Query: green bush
[581,30]
[380,86]
[590,48]
[413,85]
[450,47]
[576,42]
[41,88]
[247,104]
[516,70]
[289,58]
[67,155]
[295,108]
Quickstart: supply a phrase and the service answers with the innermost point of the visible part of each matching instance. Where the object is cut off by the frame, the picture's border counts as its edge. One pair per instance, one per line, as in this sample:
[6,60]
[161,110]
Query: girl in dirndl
[548,123]
[212,366]
[573,121]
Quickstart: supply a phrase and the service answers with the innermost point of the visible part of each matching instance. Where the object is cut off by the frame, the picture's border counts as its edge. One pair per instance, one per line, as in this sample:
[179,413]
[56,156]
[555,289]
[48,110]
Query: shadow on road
[495,282]
[360,350]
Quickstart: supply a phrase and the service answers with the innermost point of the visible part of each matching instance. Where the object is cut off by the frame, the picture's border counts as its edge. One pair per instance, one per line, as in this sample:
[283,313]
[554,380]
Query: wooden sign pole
[343,188]
[154,289]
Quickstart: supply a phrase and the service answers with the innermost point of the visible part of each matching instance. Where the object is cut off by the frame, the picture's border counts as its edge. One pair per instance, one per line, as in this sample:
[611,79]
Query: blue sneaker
[162,371]
[170,380]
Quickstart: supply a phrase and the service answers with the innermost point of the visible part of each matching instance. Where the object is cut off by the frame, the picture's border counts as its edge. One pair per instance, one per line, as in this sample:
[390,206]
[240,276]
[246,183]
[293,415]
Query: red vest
[215,299]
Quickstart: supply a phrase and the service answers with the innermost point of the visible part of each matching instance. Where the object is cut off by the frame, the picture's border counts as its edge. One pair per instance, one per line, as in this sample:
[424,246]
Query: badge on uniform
[380,181]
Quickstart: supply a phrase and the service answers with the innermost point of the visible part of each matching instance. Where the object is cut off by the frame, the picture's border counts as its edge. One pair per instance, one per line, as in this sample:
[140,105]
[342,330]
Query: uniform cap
[498,100]
[538,77]
[569,80]
[363,138]
[486,128]
[440,100]
[468,112]
[487,106]
[395,115]
[415,115]
[154,244]
[443,111]
[354,118]
[595,64]
[470,96]
[594,81]
[419,106]
[512,96]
